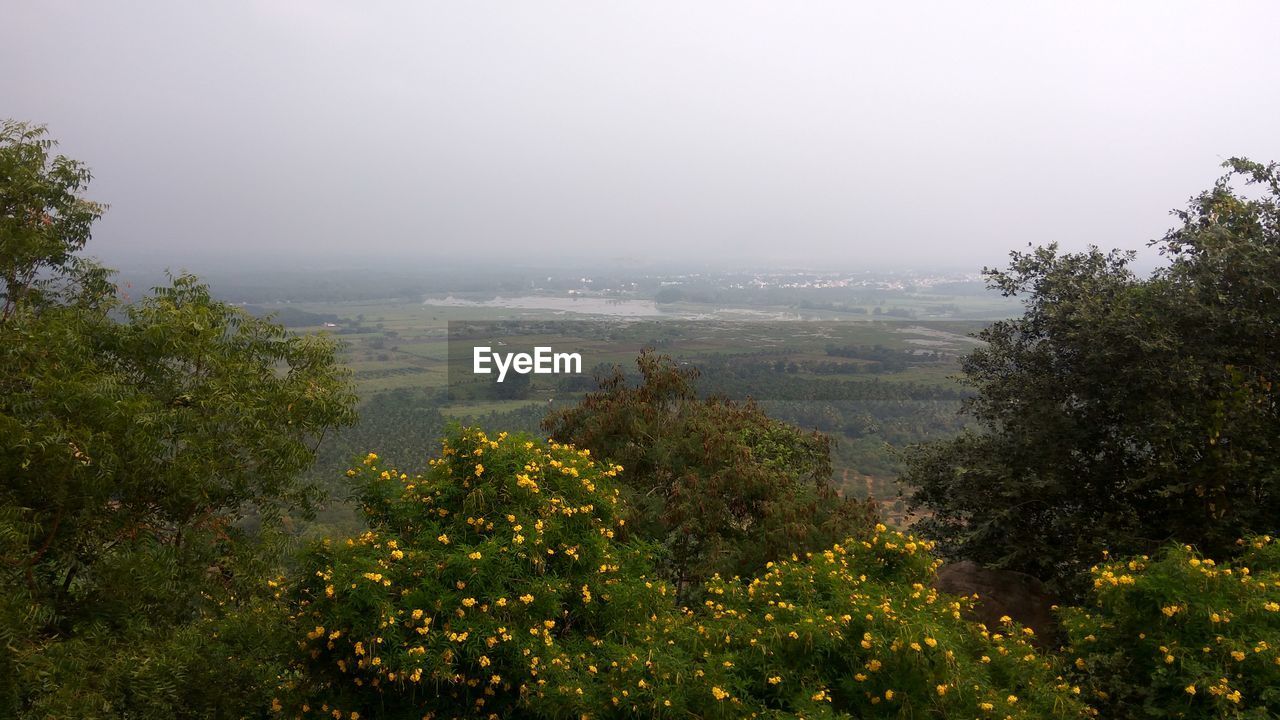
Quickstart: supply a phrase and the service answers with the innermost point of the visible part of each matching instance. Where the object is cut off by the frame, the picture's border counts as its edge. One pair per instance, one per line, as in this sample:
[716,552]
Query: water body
[579,305]
[610,307]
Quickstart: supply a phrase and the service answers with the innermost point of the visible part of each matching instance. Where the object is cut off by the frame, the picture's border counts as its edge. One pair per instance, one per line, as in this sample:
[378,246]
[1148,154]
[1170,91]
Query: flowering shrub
[497,586]
[1183,636]
[856,631]
[493,583]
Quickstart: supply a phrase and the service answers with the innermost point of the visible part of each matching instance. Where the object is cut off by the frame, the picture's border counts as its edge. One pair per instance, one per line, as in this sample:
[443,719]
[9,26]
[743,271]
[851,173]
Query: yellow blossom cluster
[496,584]
[1183,629]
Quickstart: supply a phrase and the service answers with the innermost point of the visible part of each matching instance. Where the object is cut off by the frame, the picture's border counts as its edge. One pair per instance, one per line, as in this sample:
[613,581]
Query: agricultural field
[874,383]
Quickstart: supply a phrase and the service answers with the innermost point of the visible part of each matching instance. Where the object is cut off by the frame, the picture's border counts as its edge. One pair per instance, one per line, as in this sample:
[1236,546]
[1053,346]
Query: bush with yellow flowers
[1182,636]
[493,586]
[856,631]
[498,585]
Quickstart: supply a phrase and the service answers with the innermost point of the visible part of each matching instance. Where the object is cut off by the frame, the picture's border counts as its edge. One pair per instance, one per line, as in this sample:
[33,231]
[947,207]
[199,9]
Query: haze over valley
[715,360]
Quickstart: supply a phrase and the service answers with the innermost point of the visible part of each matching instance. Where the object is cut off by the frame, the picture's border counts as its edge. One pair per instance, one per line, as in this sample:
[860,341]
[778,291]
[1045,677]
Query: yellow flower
[718,693]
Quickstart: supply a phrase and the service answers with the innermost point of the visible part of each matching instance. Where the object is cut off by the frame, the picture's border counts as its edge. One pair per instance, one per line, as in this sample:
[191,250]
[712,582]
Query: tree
[150,453]
[43,219]
[516,386]
[722,486]
[1120,413]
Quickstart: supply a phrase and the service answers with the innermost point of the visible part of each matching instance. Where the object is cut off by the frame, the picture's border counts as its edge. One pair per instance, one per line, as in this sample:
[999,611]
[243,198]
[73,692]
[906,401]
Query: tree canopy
[1121,412]
[721,486]
[149,450]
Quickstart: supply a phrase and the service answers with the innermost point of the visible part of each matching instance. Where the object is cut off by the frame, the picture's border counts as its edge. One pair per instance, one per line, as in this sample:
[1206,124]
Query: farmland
[872,382]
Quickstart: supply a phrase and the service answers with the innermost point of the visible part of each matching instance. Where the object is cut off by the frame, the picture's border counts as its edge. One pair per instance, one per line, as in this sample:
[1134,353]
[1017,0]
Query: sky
[735,133]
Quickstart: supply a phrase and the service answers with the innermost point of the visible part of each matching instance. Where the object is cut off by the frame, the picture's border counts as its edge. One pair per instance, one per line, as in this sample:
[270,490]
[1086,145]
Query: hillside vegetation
[662,554]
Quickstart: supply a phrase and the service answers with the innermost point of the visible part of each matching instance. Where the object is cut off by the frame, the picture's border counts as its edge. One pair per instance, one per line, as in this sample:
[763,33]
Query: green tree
[720,485]
[43,219]
[1119,412]
[150,453]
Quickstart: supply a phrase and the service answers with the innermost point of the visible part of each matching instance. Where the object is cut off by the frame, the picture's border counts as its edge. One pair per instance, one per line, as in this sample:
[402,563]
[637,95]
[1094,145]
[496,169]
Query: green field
[399,355]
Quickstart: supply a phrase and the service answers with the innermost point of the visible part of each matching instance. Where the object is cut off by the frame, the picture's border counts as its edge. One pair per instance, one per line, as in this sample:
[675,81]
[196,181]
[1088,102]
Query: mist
[728,134]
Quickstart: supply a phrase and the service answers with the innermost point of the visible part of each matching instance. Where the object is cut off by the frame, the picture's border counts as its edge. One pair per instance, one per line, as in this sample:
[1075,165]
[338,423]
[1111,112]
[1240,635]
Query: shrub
[1183,636]
[497,585]
[856,631]
[492,584]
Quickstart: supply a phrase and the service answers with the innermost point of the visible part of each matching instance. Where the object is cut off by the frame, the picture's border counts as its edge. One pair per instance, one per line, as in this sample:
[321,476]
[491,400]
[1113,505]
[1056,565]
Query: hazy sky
[823,134]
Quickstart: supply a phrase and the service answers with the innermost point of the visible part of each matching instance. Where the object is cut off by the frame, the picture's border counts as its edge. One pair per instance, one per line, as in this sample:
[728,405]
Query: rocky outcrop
[1000,593]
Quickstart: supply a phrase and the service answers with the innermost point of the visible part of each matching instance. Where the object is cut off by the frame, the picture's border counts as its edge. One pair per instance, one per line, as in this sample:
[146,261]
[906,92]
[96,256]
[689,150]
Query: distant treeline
[292,317]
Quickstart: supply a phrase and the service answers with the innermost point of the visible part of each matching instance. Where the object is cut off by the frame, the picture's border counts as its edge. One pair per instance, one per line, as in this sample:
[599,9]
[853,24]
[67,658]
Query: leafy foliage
[498,585]
[723,487]
[1182,636]
[1118,412]
[494,583]
[857,631]
[43,219]
[138,441]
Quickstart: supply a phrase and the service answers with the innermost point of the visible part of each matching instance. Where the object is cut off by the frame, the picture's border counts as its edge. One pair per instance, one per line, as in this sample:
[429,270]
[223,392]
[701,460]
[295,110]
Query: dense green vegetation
[669,552]
[150,454]
[722,487]
[1180,635]
[499,584]
[1118,413]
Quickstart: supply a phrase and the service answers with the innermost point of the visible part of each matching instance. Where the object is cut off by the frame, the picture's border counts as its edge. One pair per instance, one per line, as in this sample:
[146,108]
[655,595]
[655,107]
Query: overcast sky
[819,134]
